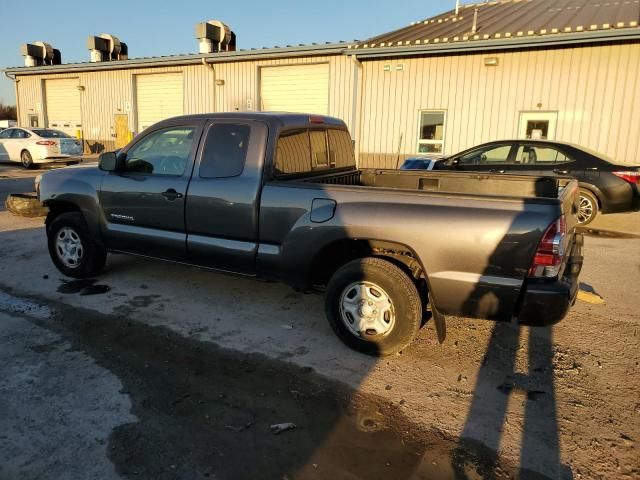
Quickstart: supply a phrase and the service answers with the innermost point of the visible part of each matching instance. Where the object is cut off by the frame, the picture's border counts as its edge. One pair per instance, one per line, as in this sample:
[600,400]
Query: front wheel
[26,159]
[588,208]
[71,248]
[373,306]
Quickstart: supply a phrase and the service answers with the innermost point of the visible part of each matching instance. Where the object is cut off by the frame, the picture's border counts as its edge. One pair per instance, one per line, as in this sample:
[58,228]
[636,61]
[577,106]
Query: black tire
[588,207]
[93,256]
[402,293]
[26,160]
[25,205]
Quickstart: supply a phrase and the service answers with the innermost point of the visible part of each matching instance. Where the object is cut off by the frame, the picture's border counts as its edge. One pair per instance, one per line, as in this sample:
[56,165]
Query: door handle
[171,195]
[496,171]
[561,172]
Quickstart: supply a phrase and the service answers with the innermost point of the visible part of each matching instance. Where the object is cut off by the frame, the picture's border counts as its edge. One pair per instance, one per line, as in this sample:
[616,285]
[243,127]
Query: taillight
[548,258]
[49,143]
[316,119]
[631,177]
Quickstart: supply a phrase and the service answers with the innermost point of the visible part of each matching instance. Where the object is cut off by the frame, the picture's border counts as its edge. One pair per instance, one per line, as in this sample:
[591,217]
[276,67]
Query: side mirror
[454,162]
[108,161]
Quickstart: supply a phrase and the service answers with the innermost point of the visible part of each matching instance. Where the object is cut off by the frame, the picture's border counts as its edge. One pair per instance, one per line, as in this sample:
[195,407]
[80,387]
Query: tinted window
[319,153]
[531,154]
[6,133]
[48,133]
[340,149]
[499,154]
[164,152]
[225,151]
[302,151]
[293,152]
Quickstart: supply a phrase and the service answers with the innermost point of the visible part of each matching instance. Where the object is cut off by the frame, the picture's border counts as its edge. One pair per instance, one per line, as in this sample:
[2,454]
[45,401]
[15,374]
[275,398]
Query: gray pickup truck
[278,196]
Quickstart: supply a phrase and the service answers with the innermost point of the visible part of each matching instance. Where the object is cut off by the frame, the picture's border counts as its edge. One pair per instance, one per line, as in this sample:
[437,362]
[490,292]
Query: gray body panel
[475,247]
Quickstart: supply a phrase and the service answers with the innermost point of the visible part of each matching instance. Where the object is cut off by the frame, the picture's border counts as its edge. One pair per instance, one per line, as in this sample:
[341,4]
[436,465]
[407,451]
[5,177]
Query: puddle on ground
[594,232]
[84,286]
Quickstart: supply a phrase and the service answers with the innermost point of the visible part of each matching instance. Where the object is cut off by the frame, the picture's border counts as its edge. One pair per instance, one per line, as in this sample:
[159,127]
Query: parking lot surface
[156,370]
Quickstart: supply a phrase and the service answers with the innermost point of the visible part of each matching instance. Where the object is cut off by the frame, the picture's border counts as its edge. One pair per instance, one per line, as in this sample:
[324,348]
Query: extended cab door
[143,201]
[224,196]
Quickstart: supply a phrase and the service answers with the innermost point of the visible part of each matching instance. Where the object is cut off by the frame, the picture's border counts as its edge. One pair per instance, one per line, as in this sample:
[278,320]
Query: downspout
[15,86]
[356,105]
[213,69]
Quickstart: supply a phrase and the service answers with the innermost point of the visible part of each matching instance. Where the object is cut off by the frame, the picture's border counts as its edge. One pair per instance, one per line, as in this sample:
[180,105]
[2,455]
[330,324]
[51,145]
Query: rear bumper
[546,303]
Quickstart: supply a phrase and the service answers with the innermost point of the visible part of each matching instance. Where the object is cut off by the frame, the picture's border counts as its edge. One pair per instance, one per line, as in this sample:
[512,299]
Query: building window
[431,135]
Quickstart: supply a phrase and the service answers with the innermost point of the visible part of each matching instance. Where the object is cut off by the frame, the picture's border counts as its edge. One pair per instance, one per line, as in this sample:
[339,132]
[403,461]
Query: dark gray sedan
[605,187]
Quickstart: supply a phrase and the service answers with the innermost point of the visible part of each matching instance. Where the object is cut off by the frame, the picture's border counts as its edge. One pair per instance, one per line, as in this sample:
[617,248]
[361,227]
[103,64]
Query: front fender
[72,188]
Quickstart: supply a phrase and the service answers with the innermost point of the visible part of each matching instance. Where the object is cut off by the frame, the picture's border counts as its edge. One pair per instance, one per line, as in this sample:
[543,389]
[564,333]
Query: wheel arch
[595,191]
[332,256]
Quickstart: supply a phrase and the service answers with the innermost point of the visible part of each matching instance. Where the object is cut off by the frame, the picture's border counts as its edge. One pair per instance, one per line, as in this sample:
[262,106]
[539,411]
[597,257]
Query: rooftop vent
[105,47]
[40,53]
[215,36]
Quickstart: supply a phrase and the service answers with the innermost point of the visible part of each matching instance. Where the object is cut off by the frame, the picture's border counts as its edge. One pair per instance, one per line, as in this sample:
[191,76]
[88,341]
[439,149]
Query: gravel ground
[164,371]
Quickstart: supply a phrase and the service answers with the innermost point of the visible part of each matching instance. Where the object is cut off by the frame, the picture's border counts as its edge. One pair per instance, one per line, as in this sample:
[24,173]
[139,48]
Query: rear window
[311,150]
[48,133]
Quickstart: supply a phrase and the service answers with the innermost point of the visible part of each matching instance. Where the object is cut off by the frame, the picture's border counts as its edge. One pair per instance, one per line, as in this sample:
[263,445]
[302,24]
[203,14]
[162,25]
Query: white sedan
[38,145]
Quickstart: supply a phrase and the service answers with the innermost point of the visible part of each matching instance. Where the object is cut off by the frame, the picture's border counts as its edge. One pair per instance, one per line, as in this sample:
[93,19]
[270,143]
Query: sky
[157,27]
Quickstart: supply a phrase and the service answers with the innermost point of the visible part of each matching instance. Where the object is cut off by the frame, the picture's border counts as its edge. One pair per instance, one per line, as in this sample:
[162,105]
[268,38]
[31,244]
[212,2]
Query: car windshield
[415,164]
[48,133]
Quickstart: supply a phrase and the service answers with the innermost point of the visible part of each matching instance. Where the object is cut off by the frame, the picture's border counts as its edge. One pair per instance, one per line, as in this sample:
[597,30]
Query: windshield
[48,133]
[415,164]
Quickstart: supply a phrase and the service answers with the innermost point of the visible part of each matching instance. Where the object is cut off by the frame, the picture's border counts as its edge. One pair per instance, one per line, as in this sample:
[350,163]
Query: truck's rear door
[224,195]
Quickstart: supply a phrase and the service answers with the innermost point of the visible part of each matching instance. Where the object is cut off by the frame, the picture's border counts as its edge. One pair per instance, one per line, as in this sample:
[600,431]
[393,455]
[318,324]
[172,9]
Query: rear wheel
[71,247]
[588,208]
[373,306]
[26,159]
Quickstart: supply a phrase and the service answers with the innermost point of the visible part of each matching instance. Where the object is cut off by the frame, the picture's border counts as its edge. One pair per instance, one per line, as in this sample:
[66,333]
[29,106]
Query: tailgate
[570,200]
[70,146]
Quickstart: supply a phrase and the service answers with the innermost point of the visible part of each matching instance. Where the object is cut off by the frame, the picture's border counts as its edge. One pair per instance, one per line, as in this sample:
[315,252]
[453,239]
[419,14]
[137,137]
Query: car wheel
[588,207]
[71,247]
[373,306]
[26,159]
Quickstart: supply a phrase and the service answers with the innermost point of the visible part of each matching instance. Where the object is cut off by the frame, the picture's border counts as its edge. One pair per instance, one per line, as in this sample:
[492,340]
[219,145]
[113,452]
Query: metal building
[560,69]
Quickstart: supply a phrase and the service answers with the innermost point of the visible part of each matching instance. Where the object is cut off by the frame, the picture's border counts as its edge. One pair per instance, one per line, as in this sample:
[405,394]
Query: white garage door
[63,105]
[158,96]
[296,88]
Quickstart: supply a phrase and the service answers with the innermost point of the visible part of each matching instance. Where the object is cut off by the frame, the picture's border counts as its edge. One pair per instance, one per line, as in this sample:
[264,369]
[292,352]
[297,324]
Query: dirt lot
[163,371]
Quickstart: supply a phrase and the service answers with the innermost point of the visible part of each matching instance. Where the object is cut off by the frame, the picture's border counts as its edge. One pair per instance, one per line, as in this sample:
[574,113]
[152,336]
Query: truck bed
[518,186]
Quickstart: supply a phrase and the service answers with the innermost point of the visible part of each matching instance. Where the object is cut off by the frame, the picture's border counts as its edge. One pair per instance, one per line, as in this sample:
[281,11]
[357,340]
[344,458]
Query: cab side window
[538,155]
[164,152]
[485,156]
[225,151]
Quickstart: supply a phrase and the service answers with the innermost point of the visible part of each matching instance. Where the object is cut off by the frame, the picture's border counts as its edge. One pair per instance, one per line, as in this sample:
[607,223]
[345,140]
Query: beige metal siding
[297,88]
[158,96]
[594,90]
[108,93]
[63,105]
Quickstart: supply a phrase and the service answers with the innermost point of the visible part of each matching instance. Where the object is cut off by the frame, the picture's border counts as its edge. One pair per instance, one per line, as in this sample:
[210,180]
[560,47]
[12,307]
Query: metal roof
[187,59]
[505,20]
